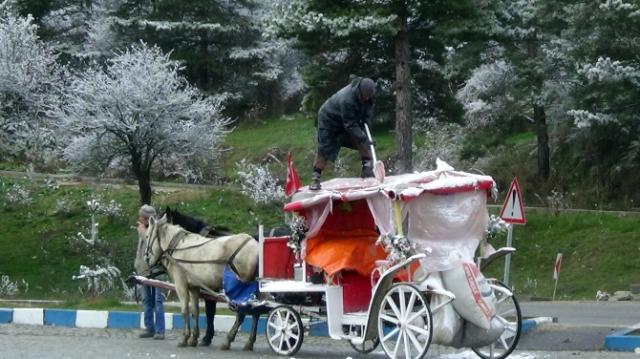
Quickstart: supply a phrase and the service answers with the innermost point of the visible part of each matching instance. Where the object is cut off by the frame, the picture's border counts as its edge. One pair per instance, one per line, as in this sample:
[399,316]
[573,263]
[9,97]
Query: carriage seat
[277,258]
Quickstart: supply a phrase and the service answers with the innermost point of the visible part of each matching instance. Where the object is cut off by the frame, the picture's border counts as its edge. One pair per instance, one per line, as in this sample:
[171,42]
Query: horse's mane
[193,224]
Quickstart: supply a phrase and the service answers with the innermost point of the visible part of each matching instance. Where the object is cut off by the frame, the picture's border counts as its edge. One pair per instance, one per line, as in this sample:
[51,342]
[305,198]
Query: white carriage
[342,273]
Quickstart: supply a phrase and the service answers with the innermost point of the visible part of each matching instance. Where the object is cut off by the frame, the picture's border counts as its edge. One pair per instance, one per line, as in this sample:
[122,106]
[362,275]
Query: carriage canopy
[443,213]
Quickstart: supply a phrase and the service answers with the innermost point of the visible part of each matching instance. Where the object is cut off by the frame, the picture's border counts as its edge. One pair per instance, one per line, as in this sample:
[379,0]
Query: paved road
[580,325]
[614,314]
[22,341]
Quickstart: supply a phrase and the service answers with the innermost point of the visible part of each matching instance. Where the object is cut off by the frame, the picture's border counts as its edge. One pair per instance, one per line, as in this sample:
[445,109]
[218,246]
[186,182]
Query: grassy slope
[600,251]
[39,245]
[296,134]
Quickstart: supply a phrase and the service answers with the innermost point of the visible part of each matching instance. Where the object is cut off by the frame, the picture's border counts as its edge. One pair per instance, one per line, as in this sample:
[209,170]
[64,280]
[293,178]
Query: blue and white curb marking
[626,340]
[529,324]
[106,319]
[133,320]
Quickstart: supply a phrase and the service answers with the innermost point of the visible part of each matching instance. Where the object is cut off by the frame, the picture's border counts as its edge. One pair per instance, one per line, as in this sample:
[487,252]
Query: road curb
[134,320]
[530,323]
[102,319]
[623,340]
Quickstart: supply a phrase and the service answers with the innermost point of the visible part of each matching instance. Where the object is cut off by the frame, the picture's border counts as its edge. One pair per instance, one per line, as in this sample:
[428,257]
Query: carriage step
[355,318]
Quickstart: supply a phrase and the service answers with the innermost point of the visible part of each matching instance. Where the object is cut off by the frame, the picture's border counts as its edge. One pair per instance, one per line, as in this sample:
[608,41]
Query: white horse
[194,262]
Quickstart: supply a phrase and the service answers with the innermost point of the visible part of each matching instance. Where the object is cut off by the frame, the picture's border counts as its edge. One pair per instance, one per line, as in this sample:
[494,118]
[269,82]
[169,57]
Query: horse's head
[153,249]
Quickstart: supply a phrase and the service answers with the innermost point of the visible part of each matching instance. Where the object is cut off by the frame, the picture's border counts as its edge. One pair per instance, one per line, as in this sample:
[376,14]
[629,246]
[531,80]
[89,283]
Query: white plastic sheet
[451,226]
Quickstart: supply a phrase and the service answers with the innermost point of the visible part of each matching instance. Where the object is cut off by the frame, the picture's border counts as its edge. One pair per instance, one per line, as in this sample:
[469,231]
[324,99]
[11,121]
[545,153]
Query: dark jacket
[344,112]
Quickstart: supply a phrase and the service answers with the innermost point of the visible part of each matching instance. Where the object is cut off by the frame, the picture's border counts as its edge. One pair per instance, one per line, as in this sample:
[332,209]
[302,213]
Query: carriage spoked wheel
[404,322]
[285,331]
[508,312]
[367,346]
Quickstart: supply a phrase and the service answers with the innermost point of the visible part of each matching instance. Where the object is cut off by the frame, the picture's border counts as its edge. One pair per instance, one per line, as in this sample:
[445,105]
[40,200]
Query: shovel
[378,166]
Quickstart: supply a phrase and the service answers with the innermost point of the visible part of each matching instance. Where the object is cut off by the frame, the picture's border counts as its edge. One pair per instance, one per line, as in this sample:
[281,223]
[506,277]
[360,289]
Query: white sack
[475,336]
[447,323]
[474,301]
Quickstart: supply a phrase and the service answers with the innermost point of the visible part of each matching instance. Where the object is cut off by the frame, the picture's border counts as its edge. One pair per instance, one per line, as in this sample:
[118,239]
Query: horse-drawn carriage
[380,262]
[390,264]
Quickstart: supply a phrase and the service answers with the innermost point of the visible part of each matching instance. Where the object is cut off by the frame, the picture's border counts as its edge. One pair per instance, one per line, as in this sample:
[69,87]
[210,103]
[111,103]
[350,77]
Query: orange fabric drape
[335,251]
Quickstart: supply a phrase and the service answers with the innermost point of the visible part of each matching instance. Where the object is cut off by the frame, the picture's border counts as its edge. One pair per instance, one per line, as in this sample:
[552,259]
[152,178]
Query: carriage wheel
[366,347]
[404,322]
[508,312]
[284,330]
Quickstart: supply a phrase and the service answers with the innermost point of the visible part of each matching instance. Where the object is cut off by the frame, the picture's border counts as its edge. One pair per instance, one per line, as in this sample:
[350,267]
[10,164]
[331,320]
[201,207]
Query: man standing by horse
[341,121]
[151,297]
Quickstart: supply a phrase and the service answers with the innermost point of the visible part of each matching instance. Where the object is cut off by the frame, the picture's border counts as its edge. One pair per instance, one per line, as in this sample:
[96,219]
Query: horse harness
[173,244]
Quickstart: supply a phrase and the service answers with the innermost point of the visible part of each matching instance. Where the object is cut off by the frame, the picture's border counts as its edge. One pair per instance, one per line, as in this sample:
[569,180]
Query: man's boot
[367,169]
[315,181]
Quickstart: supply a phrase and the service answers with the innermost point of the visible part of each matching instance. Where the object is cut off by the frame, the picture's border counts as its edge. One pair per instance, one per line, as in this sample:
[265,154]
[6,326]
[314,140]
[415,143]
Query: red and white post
[556,273]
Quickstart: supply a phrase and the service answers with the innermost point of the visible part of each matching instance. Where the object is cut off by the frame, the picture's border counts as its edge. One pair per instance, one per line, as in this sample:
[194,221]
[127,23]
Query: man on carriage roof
[341,121]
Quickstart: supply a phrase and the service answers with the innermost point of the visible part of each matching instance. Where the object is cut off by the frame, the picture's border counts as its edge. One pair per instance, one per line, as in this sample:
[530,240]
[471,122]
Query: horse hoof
[225,347]
[248,348]
[182,344]
[193,343]
[205,342]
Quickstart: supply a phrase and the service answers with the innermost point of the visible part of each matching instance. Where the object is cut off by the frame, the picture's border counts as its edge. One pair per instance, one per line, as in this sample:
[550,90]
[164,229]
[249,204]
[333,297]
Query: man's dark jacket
[344,112]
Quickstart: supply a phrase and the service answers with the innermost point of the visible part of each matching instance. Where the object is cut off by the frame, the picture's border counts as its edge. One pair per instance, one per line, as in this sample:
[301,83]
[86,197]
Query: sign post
[512,212]
[556,274]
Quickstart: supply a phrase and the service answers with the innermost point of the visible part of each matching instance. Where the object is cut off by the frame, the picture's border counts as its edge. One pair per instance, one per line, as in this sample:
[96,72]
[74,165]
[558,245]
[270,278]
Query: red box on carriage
[278,258]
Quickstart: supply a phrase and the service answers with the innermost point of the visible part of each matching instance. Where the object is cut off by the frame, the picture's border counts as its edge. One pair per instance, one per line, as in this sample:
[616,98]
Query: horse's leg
[252,335]
[183,295]
[210,309]
[231,336]
[195,313]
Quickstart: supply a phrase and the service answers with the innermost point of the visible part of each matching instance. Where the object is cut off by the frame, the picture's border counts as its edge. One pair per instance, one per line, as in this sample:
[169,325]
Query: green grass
[260,142]
[38,243]
[520,138]
[600,252]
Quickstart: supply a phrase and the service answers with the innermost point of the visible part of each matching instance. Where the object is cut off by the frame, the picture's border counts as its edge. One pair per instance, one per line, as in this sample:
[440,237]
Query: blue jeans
[152,304]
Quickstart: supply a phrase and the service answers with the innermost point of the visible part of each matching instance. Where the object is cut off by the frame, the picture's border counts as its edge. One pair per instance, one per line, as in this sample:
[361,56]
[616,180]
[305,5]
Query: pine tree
[524,75]
[400,43]
[605,48]
[219,42]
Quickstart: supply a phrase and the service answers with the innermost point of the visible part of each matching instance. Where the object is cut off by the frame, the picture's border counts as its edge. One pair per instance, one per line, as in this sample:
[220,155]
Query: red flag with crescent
[292,183]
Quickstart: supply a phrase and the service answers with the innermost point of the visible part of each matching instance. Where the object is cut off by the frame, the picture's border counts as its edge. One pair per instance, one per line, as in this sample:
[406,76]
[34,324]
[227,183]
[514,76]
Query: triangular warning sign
[512,209]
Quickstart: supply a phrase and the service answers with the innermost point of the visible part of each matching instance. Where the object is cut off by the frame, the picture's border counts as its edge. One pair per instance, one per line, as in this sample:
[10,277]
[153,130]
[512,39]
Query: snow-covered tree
[29,81]
[82,29]
[605,144]
[272,63]
[219,42]
[259,183]
[401,43]
[138,110]
[523,75]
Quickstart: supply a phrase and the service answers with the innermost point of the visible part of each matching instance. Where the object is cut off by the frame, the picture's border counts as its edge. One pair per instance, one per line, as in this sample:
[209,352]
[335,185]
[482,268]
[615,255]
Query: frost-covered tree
[219,42]
[523,76]
[605,42]
[138,110]
[401,43]
[259,183]
[82,29]
[29,81]
[272,62]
